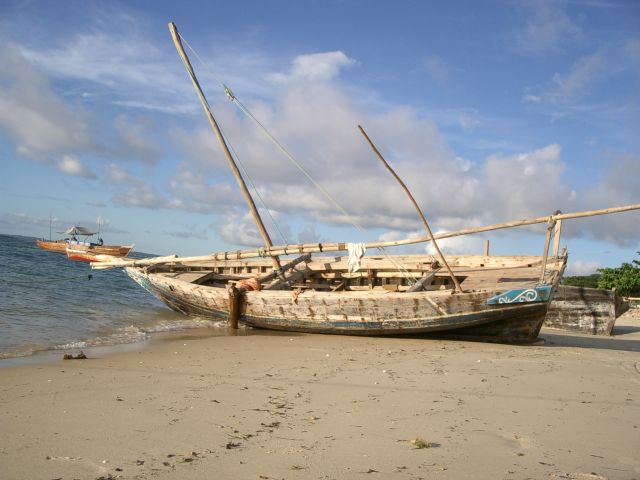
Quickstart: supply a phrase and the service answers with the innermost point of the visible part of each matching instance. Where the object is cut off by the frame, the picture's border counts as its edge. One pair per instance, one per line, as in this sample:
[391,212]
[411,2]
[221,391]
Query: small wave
[138,334]
[185,324]
[22,351]
[130,334]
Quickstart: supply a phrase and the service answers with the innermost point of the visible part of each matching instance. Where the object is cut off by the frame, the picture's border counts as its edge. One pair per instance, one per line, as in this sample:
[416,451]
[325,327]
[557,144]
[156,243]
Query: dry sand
[329,407]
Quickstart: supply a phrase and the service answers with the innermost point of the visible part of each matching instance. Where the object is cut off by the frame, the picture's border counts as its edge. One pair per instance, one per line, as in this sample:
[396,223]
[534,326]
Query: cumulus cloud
[193,192]
[517,185]
[314,67]
[619,186]
[70,165]
[238,229]
[46,128]
[317,124]
[40,124]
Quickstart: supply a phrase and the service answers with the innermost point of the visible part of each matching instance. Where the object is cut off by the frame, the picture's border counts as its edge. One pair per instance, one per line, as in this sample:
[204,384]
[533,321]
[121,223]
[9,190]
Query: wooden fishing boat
[96,248]
[503,298]
[585,310]
[59,246]
[485,297]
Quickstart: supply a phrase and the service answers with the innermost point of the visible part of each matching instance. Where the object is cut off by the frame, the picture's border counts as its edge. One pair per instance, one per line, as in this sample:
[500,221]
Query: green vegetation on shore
[625,279]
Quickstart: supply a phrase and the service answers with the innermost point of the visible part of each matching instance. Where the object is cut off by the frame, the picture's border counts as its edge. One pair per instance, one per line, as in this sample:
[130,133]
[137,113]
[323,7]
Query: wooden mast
[223,145]
[415,204]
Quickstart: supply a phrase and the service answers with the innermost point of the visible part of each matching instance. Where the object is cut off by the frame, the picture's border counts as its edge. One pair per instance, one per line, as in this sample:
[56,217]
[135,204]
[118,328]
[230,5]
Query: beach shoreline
[191,405]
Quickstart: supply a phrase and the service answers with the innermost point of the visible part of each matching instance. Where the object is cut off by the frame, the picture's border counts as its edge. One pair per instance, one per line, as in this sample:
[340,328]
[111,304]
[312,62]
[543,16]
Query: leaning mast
[223,145]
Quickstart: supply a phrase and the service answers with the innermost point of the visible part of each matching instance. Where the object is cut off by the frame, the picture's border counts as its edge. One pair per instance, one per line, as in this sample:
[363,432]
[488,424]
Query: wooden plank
[419,285]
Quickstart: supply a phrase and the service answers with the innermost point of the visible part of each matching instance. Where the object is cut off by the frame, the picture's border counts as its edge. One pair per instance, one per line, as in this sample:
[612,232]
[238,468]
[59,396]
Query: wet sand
[330,407]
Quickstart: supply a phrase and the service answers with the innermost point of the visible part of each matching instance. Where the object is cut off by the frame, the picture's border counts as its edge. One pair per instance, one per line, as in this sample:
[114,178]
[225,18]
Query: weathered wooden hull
[586,310]
[61,246]
[355,312]
[112,250]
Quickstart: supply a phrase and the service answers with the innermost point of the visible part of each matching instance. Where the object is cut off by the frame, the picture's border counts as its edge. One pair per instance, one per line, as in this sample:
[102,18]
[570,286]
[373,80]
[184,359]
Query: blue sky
[490,111]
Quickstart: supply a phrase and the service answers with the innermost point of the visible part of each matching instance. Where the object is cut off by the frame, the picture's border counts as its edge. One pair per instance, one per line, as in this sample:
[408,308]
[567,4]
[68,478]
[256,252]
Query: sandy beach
[286,406]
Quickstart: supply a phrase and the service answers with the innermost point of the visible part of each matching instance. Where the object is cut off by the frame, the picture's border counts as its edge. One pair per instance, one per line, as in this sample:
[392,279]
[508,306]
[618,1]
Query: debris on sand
[80,356]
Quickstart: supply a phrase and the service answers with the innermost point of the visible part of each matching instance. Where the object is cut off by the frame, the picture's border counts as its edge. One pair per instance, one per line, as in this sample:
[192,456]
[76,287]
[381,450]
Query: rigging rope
[247,112]
[253,186]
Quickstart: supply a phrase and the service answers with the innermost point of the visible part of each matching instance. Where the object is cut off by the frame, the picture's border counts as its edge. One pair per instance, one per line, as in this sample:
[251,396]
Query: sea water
[49,303]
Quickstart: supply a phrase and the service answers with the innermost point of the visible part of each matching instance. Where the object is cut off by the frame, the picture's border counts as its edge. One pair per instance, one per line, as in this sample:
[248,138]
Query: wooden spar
[337,247]
[416,206]
[556,238]
[545,254]
[223,144]
[486,248]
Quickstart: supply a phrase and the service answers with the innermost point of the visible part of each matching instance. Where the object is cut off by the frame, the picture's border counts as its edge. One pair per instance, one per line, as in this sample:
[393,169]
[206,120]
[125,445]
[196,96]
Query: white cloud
[40,124]
[581,268]
[462,245]
[516,186]
[314,67]
[193,192]
[70,165]
[620,186]
[240,230]
[317,124]
[121,62]
[141,195]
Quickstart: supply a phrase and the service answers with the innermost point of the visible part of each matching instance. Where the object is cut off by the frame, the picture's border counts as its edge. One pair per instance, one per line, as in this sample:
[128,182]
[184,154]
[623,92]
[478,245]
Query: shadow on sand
[624,338]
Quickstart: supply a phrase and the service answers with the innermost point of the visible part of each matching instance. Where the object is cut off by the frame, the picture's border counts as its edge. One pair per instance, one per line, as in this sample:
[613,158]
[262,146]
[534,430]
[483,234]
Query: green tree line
[625,279]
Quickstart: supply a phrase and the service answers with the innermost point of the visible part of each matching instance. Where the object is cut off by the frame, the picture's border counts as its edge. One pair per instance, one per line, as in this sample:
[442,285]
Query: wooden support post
[235,296]
[547,242]
[486,248]
[556,238]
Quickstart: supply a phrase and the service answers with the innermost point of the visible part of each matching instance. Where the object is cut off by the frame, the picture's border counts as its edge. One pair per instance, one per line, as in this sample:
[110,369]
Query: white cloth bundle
[356,252]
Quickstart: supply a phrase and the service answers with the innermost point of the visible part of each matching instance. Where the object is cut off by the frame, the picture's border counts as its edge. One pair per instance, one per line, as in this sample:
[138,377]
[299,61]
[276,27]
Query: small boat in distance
[60,246]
